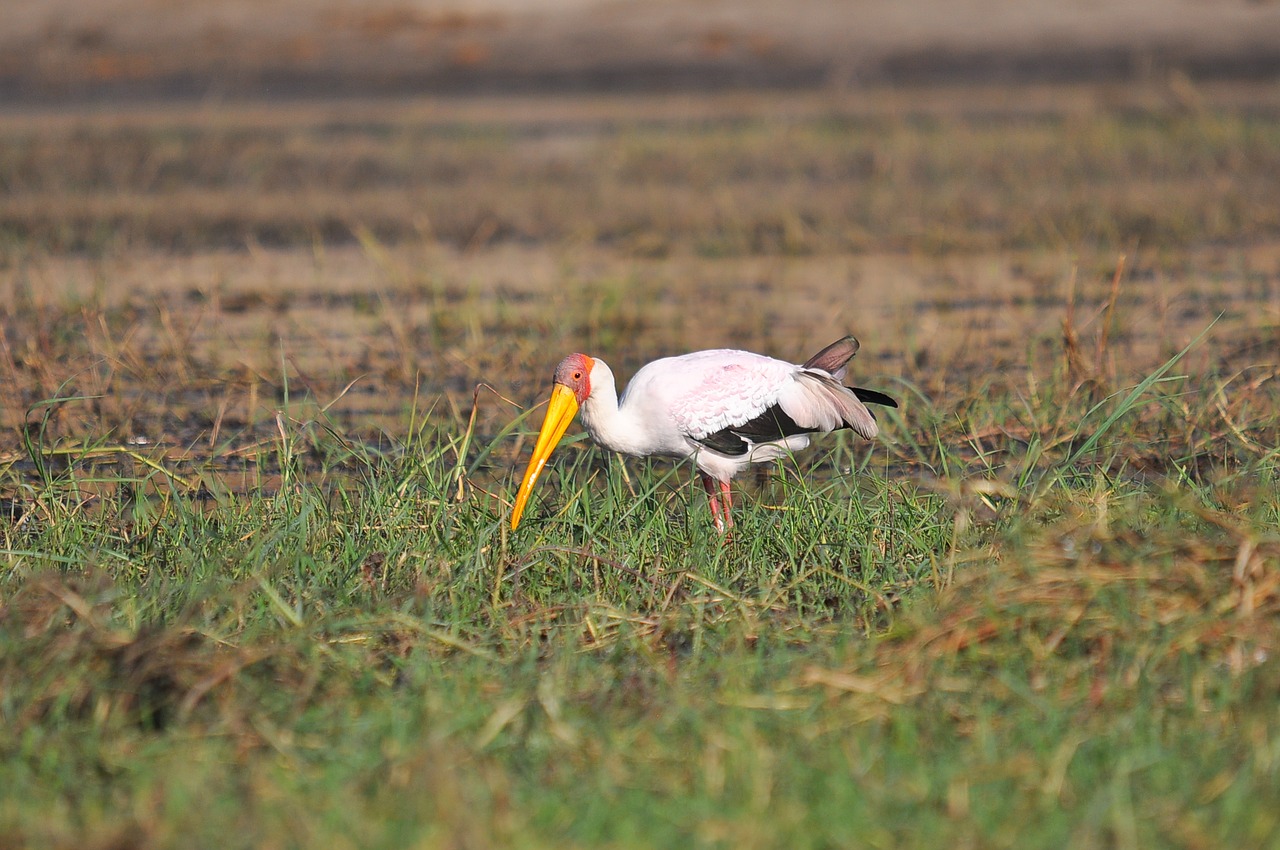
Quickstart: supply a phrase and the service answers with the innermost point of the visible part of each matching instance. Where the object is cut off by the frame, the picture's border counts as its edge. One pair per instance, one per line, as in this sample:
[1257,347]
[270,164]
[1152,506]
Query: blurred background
[206,208]
[100,50]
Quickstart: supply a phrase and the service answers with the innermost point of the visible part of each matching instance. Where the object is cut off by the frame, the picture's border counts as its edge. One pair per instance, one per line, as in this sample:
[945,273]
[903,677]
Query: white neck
[608,426]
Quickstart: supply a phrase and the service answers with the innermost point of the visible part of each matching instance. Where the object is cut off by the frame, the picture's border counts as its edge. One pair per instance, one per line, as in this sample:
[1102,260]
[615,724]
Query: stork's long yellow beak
[561,409]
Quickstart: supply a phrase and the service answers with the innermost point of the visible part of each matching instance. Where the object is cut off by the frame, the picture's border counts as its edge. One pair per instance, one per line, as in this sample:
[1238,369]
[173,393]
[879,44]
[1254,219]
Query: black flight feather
[873,397]
[772,425]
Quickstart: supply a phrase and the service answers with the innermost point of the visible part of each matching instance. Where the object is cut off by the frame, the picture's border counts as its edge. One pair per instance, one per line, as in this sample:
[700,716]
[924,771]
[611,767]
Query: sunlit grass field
[267,378]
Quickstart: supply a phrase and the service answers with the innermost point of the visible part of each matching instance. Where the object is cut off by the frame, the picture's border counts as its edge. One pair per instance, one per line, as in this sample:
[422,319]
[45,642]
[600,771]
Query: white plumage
[725,409]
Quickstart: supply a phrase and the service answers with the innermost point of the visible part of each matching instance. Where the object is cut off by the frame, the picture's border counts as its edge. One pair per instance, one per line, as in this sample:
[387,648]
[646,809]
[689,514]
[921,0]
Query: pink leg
[713,500]
[726,499]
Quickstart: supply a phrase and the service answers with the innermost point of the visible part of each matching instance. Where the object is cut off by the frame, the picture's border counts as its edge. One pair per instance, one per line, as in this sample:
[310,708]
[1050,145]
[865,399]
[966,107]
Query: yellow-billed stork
[725,409]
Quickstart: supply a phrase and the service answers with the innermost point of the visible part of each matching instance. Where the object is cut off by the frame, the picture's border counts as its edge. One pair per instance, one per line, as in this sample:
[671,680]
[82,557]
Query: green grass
[374,660]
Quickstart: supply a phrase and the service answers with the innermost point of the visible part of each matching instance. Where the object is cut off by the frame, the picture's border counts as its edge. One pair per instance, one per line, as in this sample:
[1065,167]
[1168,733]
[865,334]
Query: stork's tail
[836,406]
[834,360]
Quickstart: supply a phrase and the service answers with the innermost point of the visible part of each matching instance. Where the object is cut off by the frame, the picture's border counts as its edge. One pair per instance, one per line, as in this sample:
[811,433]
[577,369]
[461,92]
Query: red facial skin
[574,372]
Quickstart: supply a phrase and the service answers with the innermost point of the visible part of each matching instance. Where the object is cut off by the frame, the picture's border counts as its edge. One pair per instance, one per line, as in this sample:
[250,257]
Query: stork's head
[570,390]
[574,374]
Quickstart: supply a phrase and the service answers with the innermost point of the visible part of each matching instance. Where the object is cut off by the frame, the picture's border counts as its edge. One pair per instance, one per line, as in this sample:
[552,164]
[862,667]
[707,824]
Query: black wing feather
[726,443]
[736,440]
[873,396]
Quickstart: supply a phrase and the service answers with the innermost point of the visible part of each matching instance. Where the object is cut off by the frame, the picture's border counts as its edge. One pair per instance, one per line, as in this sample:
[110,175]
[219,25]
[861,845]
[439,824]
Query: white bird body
[725,409]
[671,404]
